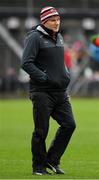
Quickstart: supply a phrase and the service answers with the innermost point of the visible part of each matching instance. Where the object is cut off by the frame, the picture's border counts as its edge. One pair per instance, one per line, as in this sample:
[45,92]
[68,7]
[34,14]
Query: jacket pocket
[52,81]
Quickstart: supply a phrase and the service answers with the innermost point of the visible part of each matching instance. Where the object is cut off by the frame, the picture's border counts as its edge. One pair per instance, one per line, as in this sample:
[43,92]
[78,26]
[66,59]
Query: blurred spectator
[92,72]
[79,49]
[94,57]
[68,58]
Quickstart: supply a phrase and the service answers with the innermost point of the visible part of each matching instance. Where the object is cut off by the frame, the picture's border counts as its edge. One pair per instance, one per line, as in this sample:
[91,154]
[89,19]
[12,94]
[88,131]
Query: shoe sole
[36,173]
[51,167]
[40,174]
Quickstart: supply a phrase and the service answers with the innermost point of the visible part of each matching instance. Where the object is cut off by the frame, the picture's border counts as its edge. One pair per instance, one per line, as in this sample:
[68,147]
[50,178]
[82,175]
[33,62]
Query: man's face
[53,23]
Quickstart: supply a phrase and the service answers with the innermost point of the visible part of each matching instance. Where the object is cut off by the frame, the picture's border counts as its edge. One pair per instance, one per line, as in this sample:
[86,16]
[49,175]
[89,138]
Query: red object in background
[67,59]
[96,42]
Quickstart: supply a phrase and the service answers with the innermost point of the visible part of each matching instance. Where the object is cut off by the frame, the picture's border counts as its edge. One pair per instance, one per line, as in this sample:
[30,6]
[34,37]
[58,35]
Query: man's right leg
[41,114]
[64,116]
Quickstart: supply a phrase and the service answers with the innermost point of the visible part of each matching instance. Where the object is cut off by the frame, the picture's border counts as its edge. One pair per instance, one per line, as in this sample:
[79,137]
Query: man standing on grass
[43,60]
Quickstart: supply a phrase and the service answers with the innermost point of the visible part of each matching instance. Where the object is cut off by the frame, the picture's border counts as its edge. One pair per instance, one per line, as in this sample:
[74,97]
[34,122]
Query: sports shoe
[55,169]
[41,172]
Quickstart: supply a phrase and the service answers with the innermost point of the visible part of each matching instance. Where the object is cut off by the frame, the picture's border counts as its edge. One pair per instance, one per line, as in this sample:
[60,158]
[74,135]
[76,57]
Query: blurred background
[80,30]
[79,24]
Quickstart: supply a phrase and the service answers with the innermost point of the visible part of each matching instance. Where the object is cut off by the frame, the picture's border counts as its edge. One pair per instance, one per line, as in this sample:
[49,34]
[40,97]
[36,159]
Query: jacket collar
[39,28]
[47,31]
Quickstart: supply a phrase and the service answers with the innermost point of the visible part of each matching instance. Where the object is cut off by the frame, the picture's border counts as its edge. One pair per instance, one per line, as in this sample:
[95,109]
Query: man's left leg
[64,116]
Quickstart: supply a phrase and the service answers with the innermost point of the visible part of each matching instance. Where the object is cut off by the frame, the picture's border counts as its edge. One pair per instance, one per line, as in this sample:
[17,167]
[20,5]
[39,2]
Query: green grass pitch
[80,161]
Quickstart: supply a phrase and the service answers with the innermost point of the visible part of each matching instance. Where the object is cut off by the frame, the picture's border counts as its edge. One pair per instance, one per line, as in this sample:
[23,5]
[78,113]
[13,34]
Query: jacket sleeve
[30,53]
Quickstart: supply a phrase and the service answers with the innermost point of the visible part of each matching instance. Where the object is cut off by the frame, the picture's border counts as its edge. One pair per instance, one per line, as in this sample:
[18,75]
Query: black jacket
[43,60]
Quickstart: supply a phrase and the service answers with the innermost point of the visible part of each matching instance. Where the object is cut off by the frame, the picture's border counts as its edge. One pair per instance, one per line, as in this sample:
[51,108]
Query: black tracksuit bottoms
[57,106]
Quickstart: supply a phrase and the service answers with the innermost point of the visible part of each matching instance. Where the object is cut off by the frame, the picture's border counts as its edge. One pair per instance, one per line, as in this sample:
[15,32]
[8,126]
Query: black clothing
[94,65]
[57,106]
[43,60]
